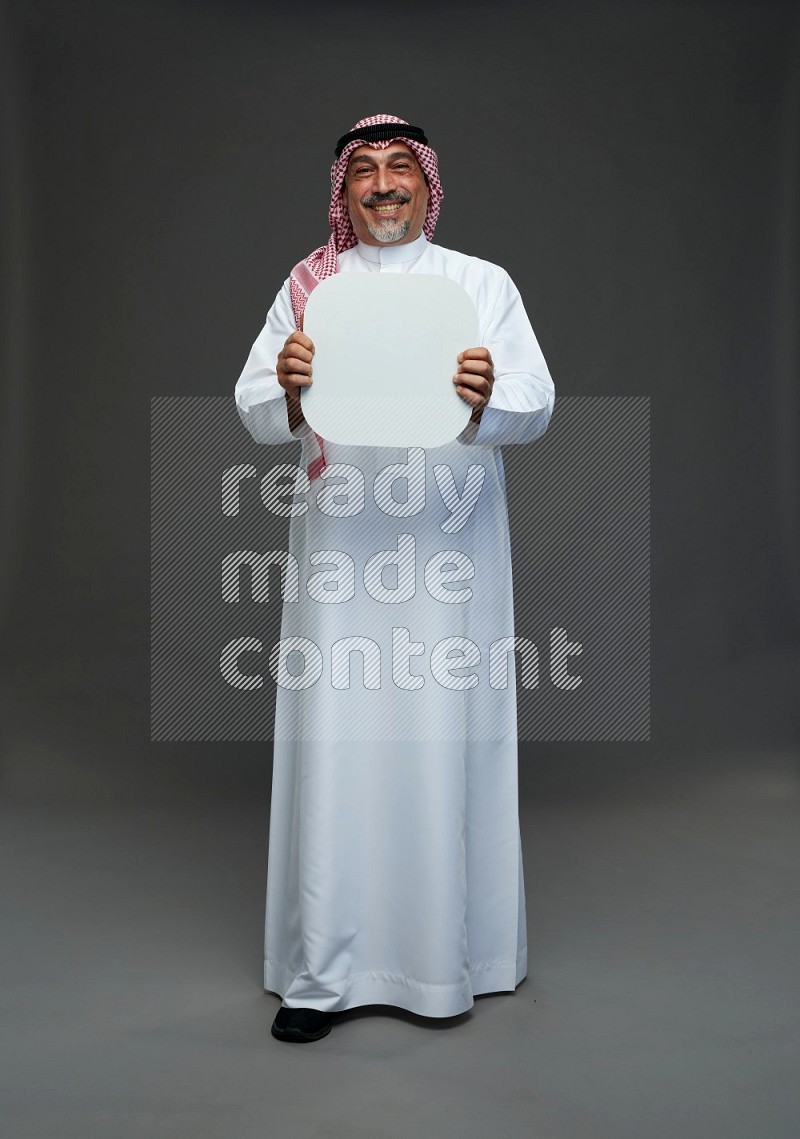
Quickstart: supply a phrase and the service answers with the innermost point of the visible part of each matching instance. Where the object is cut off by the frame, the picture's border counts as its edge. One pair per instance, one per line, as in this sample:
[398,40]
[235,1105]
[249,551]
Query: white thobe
[395,861]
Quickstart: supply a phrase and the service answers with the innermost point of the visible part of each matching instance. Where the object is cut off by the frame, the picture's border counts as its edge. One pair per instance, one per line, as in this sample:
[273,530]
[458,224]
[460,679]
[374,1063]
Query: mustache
[381,199]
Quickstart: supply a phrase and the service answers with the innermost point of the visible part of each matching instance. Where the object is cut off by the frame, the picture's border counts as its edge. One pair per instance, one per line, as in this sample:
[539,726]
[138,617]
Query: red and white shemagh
[324,262]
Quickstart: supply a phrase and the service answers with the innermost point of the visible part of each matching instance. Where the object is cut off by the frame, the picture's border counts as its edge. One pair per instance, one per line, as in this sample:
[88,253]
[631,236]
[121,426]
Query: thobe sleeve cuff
[523,395]
[260,399]
[518,412]
[268,419]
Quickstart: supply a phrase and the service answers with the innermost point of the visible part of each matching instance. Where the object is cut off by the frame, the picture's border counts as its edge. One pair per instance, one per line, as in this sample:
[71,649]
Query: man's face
[386,194]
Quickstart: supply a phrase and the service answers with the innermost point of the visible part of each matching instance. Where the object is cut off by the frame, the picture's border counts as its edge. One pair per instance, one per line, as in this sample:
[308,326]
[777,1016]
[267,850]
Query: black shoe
[301,1025]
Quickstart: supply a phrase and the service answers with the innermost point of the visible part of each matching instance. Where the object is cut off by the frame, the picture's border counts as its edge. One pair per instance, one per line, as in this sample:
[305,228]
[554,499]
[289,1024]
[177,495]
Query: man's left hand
[475,379]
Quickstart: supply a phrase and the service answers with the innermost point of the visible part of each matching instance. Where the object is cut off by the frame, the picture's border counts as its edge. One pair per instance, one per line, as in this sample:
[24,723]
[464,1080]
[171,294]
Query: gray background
[635,168]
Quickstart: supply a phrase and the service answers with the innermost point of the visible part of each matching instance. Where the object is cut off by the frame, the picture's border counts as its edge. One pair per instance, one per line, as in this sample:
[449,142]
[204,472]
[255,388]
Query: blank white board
[385,348]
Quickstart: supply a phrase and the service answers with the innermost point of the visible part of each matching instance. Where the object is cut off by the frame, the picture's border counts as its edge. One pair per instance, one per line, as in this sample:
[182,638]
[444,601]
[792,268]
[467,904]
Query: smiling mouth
[387,207]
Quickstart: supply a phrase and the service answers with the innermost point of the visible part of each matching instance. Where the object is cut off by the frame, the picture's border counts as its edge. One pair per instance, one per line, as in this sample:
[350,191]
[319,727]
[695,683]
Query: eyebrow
[371,161]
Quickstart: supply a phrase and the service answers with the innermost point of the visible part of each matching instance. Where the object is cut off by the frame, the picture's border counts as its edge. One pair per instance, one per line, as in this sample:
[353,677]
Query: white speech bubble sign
[384,360]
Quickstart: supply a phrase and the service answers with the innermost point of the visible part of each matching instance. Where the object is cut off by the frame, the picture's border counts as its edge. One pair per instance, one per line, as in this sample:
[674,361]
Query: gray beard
[388,234]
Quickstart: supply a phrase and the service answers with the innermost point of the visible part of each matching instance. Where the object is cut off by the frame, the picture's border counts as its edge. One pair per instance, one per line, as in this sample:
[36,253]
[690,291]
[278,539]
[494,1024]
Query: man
[395,864]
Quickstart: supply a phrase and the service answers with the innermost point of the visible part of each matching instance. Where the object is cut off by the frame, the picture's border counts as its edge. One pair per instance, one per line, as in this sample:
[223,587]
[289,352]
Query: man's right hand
[294,364]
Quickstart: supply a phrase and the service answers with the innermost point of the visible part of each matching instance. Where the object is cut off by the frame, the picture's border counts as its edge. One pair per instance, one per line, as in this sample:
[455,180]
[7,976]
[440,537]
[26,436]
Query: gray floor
[661,998]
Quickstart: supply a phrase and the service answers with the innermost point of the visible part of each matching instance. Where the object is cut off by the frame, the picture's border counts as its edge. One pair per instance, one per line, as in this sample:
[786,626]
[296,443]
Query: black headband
[381,132]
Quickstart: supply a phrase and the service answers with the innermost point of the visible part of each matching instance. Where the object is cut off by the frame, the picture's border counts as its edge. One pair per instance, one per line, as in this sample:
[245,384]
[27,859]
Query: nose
[384,181]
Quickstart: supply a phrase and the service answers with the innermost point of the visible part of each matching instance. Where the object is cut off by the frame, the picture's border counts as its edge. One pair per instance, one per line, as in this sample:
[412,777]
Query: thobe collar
[393,254]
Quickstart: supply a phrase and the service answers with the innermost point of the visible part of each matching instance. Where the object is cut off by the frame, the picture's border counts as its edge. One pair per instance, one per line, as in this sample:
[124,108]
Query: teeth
[387,209]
